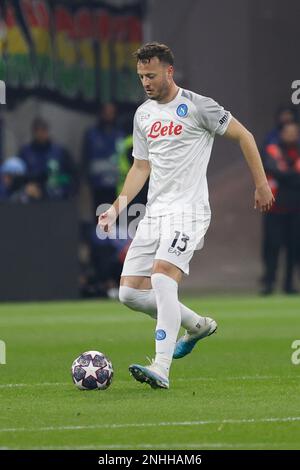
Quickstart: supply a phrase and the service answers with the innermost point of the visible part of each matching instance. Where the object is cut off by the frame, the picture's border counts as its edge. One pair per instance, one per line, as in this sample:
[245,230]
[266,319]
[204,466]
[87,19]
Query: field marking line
[163,446]
[193,379]
[287,419]
[42,384]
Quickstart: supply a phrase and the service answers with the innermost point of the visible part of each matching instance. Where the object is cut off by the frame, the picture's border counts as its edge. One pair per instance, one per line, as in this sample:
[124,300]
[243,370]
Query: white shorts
[172,237]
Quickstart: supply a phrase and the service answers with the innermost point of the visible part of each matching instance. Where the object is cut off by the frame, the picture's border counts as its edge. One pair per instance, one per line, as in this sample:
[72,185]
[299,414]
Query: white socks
[163,298]
[145,301]
[142,300]
[168,318]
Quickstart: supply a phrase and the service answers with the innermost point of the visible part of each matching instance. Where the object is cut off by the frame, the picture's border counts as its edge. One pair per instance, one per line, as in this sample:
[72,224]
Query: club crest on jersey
[182,110]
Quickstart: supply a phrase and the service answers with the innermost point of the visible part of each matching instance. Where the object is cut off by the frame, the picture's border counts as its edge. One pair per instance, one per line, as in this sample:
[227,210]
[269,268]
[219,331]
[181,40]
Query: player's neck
[172,93]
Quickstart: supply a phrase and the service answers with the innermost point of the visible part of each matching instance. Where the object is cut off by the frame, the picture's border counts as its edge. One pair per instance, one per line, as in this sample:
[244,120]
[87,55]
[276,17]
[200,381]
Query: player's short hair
[154,49]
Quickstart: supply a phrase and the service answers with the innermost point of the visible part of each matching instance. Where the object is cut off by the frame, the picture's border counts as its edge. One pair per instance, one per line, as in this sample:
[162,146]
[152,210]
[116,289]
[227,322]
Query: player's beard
[162,92]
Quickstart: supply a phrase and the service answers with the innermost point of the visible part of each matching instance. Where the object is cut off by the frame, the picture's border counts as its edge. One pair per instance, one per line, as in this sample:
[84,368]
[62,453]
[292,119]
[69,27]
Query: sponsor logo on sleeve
[224,119]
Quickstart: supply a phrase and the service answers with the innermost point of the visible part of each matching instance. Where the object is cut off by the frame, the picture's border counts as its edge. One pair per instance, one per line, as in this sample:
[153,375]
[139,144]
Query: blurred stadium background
[61,60]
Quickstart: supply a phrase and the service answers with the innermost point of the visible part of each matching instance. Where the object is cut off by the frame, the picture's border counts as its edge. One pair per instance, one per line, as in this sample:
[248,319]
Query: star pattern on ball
[92,371]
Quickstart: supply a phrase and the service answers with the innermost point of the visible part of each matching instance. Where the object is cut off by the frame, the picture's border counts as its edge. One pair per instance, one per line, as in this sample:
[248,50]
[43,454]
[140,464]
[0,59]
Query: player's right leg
[135,286]
[136,293]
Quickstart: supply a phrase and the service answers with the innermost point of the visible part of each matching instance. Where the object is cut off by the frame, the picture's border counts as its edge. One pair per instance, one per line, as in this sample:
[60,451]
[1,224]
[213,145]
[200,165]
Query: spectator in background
[50,168]
[284,115]
[100,156]
[12,178]
[282,223]
[13,183]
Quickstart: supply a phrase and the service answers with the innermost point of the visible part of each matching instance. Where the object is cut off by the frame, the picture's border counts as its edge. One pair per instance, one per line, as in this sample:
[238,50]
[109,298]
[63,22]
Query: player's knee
[162,267]
[127,296]
[139,300]
[166,269]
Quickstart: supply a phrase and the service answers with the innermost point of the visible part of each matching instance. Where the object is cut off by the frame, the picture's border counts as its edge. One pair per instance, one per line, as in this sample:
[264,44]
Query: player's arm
[263,194]
[134,182]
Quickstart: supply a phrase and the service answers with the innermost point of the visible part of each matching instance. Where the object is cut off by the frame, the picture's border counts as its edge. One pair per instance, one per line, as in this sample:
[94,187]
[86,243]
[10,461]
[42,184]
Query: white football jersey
[177,138]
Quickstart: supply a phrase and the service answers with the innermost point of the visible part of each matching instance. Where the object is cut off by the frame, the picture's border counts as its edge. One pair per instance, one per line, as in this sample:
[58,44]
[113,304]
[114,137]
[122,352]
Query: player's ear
[170,71]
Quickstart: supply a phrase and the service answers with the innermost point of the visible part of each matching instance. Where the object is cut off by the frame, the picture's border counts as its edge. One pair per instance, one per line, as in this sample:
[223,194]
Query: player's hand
[263,198]
[107,219]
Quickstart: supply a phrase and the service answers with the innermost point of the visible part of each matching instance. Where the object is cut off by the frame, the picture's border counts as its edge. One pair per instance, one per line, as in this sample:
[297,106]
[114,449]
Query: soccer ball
[92,370]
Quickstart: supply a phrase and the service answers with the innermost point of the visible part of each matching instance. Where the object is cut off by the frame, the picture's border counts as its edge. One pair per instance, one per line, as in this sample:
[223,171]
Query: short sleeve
[211,116]
[140,146]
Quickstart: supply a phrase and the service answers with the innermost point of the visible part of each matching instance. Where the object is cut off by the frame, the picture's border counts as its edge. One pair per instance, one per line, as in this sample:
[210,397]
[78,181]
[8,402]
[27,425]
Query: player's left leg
[165,278]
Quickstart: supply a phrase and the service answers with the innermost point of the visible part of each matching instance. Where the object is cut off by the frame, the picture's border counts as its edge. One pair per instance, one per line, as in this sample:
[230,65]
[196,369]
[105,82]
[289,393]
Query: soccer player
[173,136]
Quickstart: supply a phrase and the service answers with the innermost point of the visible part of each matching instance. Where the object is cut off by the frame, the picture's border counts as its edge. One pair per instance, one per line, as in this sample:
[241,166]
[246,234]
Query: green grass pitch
[238,389]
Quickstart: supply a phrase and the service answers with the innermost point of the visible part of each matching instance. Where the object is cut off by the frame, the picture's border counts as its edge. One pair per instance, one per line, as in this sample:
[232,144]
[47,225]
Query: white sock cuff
[160,278]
